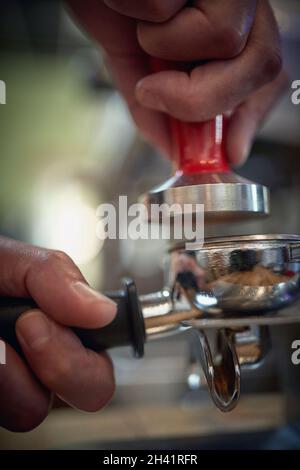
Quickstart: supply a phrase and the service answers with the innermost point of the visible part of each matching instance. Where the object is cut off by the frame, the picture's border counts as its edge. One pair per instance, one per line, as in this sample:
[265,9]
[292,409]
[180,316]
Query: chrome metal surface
[226,196]
[156,303]
[284,316]
[178,319]
[238,275]
[199,292]
[222,369]
[229,284]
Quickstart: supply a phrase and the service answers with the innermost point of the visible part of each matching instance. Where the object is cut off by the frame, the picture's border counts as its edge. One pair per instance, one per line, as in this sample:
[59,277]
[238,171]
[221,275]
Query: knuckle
[272,65]
[54,257]
[231,41]
[50,263]
[59,256]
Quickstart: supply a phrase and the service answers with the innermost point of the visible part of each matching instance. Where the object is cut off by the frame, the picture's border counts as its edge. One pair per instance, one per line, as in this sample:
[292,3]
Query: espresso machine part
[193,301]
[249,274]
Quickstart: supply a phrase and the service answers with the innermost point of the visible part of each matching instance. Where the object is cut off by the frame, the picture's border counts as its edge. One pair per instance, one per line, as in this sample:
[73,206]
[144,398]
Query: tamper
[202,174]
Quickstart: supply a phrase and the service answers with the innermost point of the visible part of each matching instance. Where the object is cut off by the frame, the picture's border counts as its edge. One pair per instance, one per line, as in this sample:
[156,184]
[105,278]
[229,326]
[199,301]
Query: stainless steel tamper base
[226,196]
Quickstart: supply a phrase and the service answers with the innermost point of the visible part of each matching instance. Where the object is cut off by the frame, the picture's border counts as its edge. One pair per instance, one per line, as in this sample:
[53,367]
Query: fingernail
[148,98]
[107,308]
[33,330]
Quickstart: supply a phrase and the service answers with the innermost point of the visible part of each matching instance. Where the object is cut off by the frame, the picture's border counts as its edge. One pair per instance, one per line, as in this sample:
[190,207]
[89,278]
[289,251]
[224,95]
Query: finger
[24,401]
[154,125]
[217,86]
[116,33]
[248,117]
[149,10]
[81,377]
[54,282]
[127,62]
[207,30]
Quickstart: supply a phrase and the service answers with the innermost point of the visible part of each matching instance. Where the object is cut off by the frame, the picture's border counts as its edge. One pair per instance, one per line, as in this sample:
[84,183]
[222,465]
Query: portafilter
[228,284]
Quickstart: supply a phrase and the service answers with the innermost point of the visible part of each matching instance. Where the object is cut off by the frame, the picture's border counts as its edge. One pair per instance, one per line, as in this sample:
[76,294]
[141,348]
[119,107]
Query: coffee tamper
[202,174]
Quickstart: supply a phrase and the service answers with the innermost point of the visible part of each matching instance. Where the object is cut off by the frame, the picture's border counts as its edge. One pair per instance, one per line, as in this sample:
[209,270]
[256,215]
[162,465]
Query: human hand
[234,46]
[55,362]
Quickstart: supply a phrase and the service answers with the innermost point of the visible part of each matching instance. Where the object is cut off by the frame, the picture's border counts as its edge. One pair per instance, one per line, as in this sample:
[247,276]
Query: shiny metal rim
[276,239]
[285,316]
[218,198]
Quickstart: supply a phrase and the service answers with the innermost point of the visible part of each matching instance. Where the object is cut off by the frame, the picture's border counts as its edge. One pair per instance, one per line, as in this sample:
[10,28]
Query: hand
[238,40]
[56,361]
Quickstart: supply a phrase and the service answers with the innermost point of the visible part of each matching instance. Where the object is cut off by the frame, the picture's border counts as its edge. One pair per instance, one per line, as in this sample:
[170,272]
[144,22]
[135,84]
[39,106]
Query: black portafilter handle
[127,328]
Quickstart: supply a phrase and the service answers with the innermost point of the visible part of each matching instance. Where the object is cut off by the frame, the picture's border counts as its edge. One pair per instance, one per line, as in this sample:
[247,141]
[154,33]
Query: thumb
[249,116]
[55,283]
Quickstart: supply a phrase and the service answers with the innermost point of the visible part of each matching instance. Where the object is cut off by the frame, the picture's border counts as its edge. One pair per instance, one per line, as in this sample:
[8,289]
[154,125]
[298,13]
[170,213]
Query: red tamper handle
[198,147]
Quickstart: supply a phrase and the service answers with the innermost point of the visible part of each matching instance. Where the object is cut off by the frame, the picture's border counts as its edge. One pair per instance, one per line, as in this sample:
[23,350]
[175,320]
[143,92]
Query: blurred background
[68,144]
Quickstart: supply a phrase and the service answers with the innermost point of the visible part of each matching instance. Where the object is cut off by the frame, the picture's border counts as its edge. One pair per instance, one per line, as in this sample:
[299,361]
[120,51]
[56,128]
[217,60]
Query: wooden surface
[66,427]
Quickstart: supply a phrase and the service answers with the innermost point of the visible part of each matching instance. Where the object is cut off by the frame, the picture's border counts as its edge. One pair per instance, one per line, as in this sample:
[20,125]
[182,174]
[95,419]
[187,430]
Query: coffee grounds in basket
[258,276]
